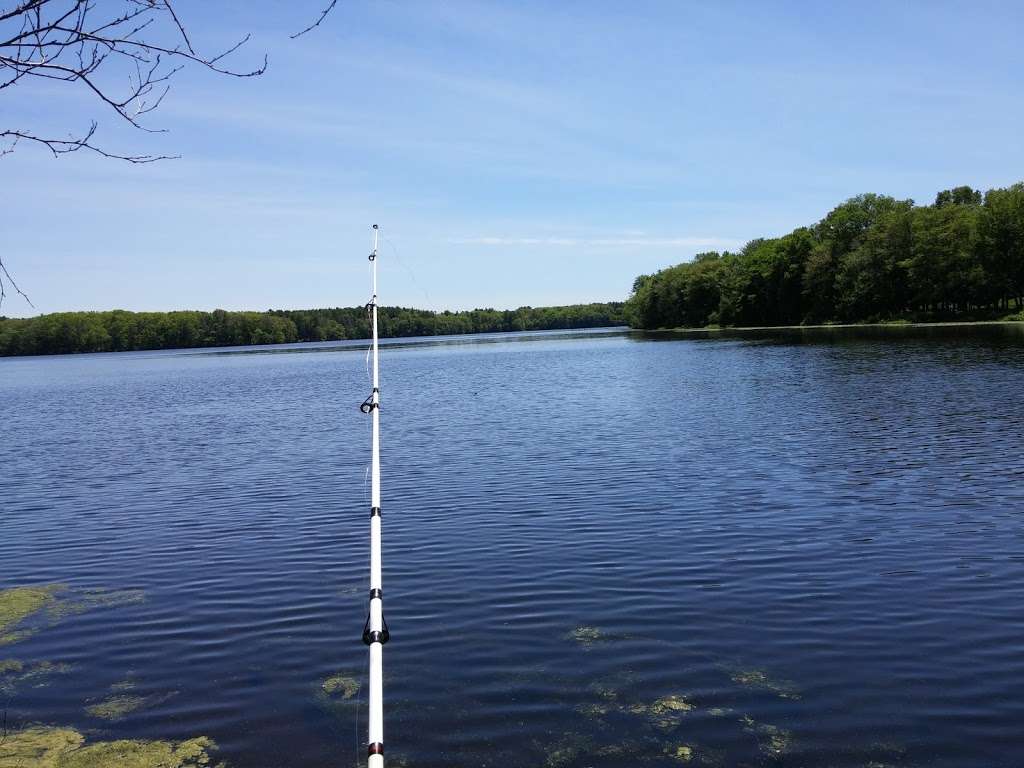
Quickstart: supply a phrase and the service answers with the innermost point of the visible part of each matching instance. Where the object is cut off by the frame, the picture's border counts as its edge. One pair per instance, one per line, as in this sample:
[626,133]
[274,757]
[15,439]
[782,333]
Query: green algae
[758,678]
[38,747]
[20,603]
[340,687]
[589,636]
[665,713]
[13,674]
[773,740]
[567,750]
[595,711]
[120,705]
[683,753]
[23,609]
[42,747]
[586,636]
[606,692]
[614,750]
[73,602]
[116,707]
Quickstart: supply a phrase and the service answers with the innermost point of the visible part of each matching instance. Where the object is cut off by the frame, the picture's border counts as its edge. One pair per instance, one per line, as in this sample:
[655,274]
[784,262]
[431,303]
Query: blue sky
[513,153]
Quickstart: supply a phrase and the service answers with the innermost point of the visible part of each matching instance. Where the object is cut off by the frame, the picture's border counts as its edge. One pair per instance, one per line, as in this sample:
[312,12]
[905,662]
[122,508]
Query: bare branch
[181,29]
[71,144]
[315,24]
[14,285]
[85,41]
[82,40]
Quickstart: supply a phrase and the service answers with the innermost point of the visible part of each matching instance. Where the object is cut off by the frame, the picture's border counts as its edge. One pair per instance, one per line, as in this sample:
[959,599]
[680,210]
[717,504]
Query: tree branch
[315,24]
[14,285]
[73,144]
[83,40]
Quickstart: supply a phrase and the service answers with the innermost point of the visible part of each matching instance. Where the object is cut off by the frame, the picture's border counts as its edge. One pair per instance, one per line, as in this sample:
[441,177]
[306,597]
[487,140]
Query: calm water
[819,546]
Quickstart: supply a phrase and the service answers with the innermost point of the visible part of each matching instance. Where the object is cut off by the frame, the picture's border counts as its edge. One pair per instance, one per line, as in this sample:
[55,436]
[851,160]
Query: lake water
[600,549]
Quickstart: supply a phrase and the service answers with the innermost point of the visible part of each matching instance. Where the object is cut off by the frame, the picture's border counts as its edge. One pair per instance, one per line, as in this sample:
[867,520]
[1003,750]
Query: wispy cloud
[604,242]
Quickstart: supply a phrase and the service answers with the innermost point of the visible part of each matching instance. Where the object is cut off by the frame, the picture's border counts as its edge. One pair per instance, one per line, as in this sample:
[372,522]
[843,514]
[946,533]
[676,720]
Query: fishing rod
[375,632]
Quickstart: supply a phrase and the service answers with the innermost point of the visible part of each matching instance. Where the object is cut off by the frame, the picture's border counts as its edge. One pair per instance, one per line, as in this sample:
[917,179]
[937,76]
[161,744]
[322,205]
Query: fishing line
[412,275]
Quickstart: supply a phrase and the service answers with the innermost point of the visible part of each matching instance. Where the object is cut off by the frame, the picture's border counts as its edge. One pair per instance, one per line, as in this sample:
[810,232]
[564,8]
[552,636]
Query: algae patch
[683,753]
[23,609]
[18,604]
[73,602]
[340,687]
[758,678]
[116,707]
[773,740]
[14,673]
[665,713]
[66,748]
[121,704]
[586,636]
[567,750]
[594,711]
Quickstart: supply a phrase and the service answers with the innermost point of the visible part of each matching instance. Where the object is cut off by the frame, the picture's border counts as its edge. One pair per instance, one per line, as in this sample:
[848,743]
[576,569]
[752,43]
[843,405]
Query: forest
[119,330]
[872,259]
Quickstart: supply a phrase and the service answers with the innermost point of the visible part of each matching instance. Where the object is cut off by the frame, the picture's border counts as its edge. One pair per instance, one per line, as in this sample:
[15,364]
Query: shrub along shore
[120,331]
[872,259]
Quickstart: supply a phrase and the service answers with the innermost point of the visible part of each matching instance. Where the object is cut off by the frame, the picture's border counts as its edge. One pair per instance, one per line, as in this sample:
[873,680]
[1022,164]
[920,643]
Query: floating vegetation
[758,678]
[594,711]
[665,713]
[79,601]
[336,694]
[340,687]
[51,602]
[116,707]
[14,673]
[566,751]
[773,740]
[122,703]
[605,691]
[20,603]
[586,636]
[683,753]
[614,750]
[66,748]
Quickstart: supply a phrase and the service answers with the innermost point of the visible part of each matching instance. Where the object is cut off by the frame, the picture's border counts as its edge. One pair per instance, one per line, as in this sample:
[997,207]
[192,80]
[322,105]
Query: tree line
[873,258]
[119,330]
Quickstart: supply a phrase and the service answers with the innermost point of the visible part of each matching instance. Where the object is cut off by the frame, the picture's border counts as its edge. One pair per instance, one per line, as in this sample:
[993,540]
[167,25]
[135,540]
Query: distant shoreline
[891,331]
[122,331]
[829,326]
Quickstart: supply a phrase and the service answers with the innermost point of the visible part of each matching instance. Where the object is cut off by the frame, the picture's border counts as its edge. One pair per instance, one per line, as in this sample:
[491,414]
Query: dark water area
[599,549]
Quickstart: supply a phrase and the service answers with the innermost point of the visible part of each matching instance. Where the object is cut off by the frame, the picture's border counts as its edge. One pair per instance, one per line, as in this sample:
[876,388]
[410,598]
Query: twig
[315,24]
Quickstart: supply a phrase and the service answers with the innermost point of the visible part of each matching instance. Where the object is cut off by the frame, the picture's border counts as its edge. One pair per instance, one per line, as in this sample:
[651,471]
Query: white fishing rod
[375,633]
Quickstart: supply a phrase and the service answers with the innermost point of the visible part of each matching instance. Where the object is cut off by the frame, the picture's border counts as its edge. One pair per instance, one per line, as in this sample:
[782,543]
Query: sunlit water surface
[815,549]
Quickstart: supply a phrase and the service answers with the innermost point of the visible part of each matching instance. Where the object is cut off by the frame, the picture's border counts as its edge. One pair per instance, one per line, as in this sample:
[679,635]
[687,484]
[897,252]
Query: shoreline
[833,326]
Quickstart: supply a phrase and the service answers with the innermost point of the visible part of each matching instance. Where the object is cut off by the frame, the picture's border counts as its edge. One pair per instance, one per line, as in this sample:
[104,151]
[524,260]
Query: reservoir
[601,548]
